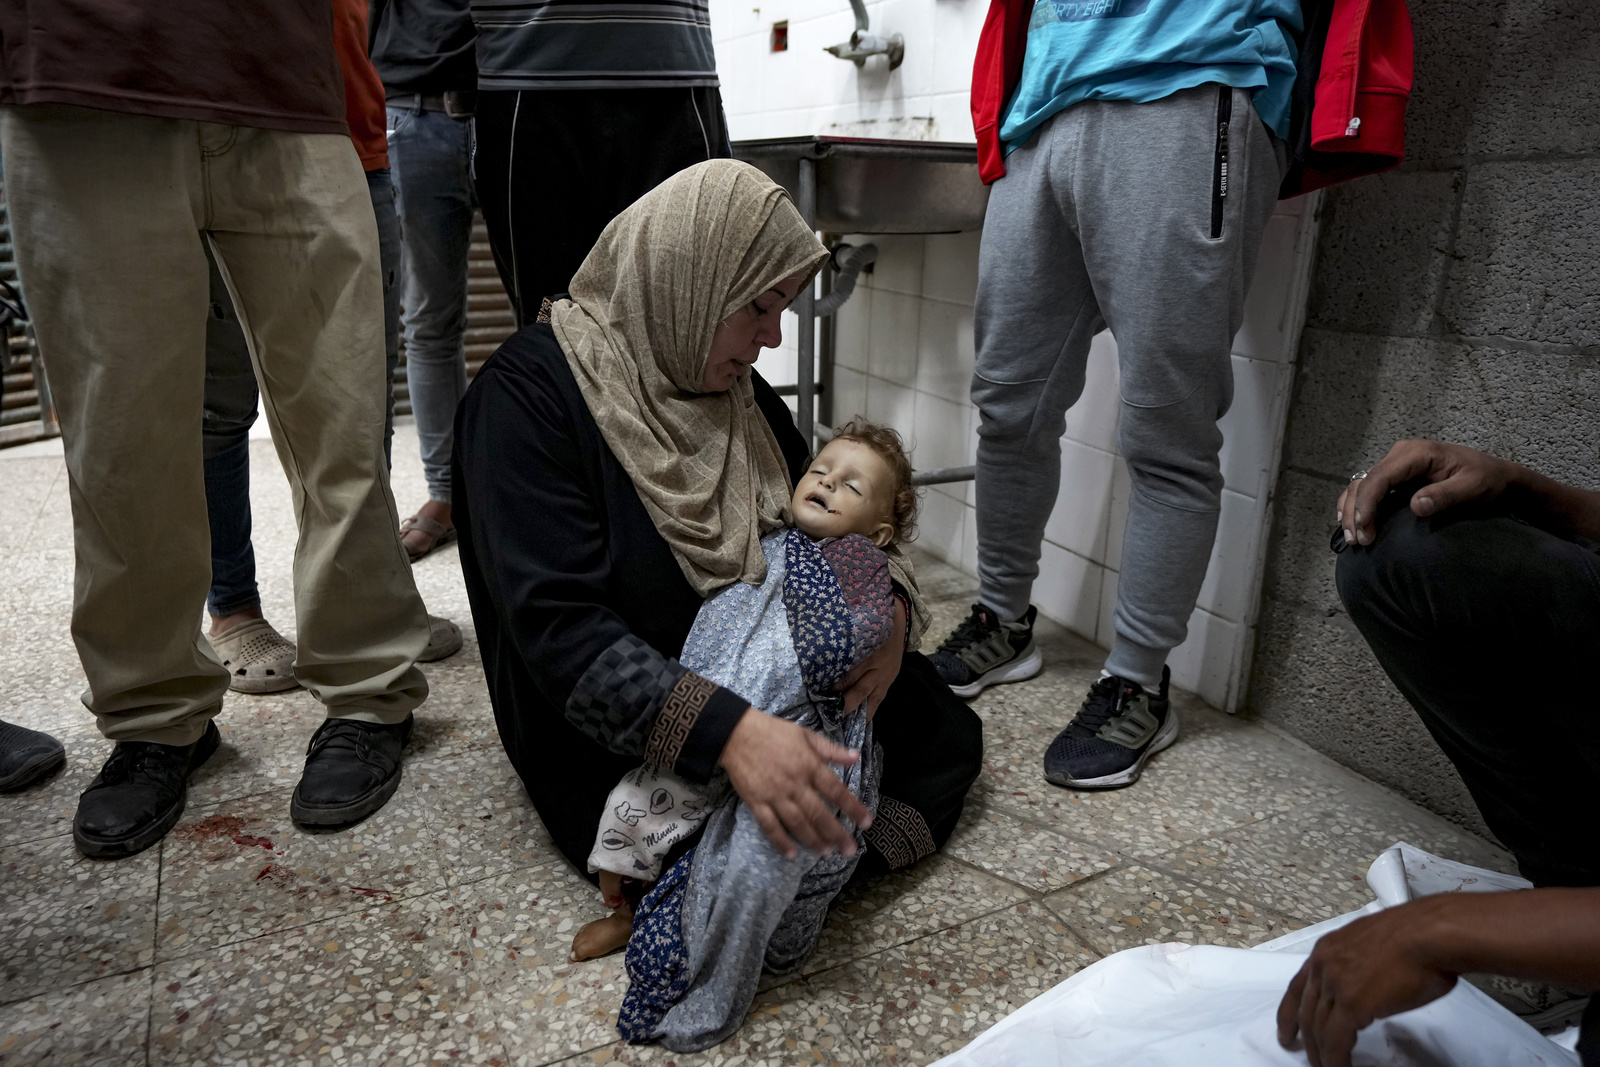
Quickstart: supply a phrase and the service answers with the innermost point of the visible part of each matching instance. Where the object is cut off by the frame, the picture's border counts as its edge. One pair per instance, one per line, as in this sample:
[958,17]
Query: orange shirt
[363,90]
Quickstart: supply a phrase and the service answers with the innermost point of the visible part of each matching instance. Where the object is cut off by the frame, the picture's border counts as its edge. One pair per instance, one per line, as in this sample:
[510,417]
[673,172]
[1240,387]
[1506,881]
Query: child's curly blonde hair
[888,444]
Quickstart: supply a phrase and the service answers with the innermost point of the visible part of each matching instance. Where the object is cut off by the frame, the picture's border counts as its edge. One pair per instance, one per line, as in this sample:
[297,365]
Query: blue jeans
[230,411]
[432,157]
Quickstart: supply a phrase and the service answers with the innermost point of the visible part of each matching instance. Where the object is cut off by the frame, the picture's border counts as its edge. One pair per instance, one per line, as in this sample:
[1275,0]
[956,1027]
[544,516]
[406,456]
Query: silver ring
[1358,475]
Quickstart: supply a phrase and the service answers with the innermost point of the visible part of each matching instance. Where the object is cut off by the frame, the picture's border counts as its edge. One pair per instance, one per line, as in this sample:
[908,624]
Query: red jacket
[1349,107]
[364,108]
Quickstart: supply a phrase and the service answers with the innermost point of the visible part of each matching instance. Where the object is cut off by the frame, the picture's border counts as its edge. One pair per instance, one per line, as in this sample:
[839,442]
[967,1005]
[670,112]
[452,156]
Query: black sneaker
[138,795]
[984,651]
[352,769]
[1118,728]
[26,756]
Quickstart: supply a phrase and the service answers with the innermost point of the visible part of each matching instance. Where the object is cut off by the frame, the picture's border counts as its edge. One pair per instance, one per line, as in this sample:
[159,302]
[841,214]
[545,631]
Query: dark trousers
[230,410]
[1486,625]
[932,753]
[431,155]
[553,167]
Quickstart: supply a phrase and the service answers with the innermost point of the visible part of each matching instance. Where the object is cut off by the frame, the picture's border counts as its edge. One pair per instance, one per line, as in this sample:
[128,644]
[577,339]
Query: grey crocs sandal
[444,640]
[259,659]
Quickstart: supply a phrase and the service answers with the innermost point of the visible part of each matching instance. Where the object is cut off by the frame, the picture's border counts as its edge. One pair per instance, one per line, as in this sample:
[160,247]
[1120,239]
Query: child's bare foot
[603,936]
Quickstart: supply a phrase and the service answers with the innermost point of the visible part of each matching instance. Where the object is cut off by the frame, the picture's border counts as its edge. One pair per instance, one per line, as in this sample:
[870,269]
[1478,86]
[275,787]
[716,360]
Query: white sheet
[1177,1005]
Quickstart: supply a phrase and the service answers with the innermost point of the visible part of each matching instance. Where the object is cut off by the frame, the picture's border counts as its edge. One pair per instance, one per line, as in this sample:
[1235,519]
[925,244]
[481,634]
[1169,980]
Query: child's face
[849,488]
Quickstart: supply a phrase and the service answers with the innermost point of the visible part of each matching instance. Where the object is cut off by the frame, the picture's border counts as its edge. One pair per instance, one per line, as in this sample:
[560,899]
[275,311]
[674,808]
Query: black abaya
[564,568]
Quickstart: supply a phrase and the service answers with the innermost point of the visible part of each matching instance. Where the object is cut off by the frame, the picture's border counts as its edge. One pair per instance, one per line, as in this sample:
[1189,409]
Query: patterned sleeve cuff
[693,726]
[900,834]
[615,700]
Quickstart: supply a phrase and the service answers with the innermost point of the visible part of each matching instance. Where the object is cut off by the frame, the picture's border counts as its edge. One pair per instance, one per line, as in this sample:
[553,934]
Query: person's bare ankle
[437,510]
[419,543]
[221,624]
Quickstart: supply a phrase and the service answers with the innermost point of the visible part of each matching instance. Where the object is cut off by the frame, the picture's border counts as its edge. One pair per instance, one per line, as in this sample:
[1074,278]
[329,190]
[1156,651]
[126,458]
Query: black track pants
[1489,627]
[553,167]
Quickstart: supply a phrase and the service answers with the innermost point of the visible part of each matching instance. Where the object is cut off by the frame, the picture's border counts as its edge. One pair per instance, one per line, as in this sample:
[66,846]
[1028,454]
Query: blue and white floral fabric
[656,954]
[782,646]
[823,609]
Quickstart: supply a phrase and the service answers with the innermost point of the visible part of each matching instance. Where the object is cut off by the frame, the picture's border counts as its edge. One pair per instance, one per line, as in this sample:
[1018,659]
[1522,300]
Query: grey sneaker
[1116,731]
[984,651]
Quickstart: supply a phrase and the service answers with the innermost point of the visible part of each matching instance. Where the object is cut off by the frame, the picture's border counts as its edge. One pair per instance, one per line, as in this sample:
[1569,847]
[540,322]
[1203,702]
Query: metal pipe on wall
[937,476]
[825,347]
[805,307]
[944,475]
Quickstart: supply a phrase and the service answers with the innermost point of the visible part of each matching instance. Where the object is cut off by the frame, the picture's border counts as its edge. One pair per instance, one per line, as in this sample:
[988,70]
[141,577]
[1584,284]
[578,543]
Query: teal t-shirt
[1143,50]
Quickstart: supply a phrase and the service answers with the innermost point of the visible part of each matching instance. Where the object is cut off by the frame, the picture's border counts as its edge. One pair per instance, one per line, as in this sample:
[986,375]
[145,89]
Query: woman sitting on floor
[621,463]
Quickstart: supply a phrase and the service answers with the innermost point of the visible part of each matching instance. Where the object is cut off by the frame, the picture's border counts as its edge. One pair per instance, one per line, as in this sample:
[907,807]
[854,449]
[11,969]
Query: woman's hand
[1373,968]
[873,676]
[782,772]
[1457,475]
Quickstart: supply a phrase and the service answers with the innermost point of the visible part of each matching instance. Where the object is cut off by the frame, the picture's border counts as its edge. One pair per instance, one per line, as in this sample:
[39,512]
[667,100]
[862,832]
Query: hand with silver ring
[1455,474]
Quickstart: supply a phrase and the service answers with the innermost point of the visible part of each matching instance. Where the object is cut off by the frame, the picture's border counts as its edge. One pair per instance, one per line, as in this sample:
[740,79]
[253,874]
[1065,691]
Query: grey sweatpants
[1105,219]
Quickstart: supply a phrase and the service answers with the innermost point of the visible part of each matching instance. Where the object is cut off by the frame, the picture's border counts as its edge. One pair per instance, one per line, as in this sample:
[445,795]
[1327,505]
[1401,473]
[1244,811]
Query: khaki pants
[108,212]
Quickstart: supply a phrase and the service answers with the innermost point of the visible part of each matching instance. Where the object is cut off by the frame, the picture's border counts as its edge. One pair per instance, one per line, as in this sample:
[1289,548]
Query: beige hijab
[637,332]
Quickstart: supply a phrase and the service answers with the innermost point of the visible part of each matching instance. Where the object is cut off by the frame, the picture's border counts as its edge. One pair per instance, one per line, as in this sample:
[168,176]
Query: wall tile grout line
[1467,161]
[155,942]
[481,979]
[26,546]
[1114,848]
[125,972]
[804,975]
[1553,349]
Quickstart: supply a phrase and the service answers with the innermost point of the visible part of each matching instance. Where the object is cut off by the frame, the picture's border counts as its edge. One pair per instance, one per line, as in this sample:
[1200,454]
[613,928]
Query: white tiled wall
[806,90]
[905,353]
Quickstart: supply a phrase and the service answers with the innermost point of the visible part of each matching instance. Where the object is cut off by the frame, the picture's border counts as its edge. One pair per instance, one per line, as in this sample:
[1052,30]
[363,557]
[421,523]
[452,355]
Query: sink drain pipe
[849,260]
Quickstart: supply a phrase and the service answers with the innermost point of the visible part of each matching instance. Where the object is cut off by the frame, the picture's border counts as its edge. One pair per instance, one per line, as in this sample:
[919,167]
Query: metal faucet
[863,44]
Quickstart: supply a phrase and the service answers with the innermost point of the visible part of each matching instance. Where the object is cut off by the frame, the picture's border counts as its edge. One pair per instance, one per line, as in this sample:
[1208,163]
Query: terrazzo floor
[438,930]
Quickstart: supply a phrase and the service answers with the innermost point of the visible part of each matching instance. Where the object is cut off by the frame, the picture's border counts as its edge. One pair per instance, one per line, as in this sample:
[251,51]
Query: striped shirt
[581,44]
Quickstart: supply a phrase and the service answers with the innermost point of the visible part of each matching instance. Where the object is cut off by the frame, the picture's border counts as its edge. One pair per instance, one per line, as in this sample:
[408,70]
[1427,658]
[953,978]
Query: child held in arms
[827,604]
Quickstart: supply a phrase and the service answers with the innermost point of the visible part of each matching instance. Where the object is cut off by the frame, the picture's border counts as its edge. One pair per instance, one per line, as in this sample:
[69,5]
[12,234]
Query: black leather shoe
[138,795]
[352,769]
[26,756]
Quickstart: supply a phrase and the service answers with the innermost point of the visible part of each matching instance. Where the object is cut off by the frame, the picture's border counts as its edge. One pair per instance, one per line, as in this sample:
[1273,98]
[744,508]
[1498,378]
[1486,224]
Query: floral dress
[734,905]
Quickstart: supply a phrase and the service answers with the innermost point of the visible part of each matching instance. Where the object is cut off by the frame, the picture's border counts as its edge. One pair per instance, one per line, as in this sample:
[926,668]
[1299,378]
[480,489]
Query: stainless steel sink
[845,185]
[863,185]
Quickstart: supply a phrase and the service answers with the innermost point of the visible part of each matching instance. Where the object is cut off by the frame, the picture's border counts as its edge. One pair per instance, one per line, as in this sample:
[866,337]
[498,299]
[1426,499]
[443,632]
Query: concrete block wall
[1453,298]
[905,345]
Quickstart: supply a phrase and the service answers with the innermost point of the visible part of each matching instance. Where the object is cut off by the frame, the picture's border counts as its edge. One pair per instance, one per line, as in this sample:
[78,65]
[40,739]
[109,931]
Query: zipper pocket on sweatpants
[1219,170]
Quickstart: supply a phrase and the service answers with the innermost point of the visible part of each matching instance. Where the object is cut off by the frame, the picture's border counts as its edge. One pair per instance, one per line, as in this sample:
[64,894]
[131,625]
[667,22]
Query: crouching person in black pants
[1477,583]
